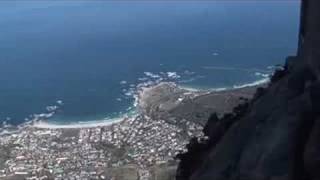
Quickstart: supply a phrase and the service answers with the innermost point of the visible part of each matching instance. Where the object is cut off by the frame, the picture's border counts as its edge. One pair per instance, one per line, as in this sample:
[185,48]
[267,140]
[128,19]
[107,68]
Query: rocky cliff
[275,136]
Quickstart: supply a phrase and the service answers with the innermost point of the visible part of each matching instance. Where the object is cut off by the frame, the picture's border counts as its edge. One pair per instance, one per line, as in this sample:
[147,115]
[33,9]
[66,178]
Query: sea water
[86,59]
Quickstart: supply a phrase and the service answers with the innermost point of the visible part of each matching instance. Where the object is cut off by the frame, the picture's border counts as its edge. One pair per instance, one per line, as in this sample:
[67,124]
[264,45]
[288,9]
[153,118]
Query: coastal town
[141,146]
[137,144]
[88,153]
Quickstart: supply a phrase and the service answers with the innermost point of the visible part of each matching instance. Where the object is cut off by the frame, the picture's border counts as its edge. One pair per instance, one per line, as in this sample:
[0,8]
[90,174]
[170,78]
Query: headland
[143,145]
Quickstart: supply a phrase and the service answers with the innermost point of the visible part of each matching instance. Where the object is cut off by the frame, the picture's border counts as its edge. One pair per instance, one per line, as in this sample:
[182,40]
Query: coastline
[262,81]
[41,120]
[89,124]
[167,118]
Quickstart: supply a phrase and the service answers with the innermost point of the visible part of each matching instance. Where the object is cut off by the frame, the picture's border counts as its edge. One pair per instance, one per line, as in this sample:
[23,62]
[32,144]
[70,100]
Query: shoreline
[167,117]
[196,92]
[78,125]
[259,82]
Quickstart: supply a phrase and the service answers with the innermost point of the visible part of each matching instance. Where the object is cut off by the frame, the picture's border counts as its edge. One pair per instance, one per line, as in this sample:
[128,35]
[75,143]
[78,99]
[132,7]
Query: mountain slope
[276,135]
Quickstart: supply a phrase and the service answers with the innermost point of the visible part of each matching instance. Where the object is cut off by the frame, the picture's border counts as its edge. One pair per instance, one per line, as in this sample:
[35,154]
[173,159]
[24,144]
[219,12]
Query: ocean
[85,60]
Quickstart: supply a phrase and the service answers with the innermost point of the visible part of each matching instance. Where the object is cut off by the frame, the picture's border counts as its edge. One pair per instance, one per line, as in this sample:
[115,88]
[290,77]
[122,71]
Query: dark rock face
[198,150]
[311,153]
[275,136]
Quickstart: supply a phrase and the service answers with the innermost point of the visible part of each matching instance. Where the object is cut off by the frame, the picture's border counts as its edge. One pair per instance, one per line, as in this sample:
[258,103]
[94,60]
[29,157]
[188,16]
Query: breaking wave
[130,90]
[255,83]
[80,124]
[134,91]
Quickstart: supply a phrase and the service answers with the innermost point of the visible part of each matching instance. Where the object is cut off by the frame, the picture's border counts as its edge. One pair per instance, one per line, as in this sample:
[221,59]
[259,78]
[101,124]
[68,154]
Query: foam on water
[173,75]
[123,82]
[149,80]
[82,124]
[227,68]
[255,83]
[152,75]
[251,84]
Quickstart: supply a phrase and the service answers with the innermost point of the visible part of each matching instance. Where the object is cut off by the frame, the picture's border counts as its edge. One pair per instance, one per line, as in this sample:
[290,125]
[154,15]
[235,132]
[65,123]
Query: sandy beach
[144,144]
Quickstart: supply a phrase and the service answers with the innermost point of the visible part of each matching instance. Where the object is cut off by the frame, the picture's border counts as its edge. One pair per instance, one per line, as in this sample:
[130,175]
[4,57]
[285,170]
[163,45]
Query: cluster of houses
[88,153]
